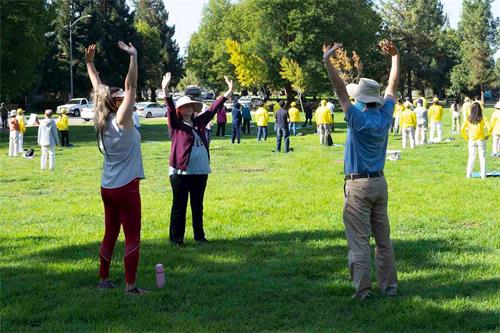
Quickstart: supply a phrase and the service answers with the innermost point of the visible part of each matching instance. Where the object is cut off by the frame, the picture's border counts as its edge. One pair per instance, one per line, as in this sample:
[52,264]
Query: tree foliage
[292,72]
[249,68]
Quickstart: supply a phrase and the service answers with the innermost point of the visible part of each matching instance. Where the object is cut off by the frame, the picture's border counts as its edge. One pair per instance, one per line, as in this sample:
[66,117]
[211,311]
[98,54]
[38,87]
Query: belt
[353,176]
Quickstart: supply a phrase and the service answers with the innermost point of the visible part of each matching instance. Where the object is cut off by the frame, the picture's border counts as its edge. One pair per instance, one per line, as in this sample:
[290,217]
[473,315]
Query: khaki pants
[365,213]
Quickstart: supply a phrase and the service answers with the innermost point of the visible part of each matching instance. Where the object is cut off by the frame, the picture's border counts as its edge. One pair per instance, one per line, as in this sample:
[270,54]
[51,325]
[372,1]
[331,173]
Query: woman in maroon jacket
[189,163]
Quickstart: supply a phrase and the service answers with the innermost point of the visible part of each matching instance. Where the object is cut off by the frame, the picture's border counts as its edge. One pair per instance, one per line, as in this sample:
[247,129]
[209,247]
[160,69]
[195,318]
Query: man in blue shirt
[236,115]
[365,202]
[247,118]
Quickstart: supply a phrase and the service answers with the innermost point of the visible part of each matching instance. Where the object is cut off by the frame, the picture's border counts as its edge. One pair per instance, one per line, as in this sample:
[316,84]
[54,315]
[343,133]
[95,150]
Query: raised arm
[126,109]
[392,86]
[218,105]
[89,59]
[337,83]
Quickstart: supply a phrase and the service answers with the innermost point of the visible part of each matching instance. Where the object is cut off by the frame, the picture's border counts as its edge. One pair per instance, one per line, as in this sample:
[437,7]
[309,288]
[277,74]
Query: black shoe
[202,240]
[178,244]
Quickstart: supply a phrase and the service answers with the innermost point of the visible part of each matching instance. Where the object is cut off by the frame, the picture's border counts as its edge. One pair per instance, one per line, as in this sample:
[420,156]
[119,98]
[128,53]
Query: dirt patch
[252,169]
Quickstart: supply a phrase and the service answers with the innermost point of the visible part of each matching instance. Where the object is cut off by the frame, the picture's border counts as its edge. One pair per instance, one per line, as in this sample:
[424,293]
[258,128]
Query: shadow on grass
[282,281]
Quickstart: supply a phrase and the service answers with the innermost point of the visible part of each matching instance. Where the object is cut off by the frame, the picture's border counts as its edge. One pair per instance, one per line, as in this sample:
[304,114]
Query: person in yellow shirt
[473,131]
[294,114]
[22,129]
[466,109]
[435,117]
[398,109]
[324,122]
[262,119]
[408,122]
[495,130]
[63,126]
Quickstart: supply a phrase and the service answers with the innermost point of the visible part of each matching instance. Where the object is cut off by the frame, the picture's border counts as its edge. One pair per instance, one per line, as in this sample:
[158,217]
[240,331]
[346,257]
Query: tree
[477,30]
[154,13]
[292,72]
[249,68]
[22,46]
[416,26]
[150,57]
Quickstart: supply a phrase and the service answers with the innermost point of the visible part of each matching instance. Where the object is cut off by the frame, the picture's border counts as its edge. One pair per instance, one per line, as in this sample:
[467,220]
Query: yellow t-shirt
[474,132]
[261,117]
[398,110]
[63,123]
[294,115]
[323,116]
[435,113]
[408,119]
[22,124]
[495,123]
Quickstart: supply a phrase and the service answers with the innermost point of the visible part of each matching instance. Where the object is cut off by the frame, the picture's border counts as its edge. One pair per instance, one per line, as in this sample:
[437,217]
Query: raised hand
[130,49]
[388,48]
[229,86]
[165,82]
[90,53]
[328,50]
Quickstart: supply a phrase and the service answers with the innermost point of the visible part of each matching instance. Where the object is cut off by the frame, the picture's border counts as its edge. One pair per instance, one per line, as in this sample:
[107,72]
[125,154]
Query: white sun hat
[366,91]
[119,94]
[497,106]
[185,100]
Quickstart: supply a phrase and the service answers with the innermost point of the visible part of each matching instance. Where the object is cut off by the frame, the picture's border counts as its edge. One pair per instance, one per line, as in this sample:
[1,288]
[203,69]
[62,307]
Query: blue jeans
[282,133]
[236,133]
[261,133]
[292,127]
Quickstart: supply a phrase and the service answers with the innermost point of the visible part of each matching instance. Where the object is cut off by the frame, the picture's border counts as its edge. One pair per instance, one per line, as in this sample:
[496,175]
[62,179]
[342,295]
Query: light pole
[71,53]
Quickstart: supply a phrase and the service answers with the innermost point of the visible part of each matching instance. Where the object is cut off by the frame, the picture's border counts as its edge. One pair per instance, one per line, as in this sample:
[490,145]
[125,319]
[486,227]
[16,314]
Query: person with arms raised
[366,195]
[120,143]
[189,164]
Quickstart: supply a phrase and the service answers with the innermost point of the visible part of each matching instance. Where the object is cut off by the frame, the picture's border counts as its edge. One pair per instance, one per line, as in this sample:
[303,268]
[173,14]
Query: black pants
[4,122]
[246,125]
[310,120]
[64,138]
[280,134]
[182,187]
[236,133]
[221,129]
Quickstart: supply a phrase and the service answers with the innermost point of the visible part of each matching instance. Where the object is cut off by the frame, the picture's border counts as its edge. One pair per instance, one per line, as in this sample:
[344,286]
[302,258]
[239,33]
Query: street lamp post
[71,53]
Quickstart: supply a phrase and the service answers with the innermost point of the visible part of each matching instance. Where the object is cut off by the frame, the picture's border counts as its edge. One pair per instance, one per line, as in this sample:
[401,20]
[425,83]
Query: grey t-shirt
[198,163]
[122,155]
[421,114]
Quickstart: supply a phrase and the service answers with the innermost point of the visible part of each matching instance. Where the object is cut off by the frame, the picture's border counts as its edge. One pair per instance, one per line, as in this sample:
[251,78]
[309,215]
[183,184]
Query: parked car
[73,106]
[252,102]
[88,112]
[150,110]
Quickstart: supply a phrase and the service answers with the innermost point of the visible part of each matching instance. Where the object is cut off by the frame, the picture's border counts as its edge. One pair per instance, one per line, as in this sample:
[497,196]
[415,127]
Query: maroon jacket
[182,135]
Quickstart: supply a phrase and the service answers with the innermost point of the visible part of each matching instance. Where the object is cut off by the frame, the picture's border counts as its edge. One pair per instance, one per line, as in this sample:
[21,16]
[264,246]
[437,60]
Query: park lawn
[278,255]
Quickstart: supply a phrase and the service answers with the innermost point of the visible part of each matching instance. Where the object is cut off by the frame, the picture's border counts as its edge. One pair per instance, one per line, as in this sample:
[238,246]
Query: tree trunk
[409,87]
[153,94]
[289,93]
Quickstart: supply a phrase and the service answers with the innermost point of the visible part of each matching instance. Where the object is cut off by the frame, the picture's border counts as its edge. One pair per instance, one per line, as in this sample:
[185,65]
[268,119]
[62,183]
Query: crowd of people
[369,117]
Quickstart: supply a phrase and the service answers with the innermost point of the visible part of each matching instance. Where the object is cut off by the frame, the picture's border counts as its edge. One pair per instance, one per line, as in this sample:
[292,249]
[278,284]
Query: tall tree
[154,13]
[477,30]
[150,57]
[23,25]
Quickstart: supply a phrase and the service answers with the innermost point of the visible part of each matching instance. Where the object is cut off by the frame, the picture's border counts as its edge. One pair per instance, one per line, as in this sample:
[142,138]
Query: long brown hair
[476,113]
[103,108]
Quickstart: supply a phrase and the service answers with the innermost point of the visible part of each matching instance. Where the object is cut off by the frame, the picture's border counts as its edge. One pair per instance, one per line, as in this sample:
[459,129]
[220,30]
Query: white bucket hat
[366,91]
[13,113]
[497,106]
[185,100]
[119,94]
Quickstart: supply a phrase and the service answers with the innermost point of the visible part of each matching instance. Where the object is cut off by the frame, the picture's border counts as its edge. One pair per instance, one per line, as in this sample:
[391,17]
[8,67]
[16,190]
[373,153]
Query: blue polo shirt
[367,135]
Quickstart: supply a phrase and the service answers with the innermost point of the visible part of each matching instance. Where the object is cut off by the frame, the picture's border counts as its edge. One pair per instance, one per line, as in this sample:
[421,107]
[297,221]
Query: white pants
[409,133]
[396,125]
[14,143]
[496,144]
[436,126]
[420,136]
[51,151]
[20,148]
[477,146]
[324,130]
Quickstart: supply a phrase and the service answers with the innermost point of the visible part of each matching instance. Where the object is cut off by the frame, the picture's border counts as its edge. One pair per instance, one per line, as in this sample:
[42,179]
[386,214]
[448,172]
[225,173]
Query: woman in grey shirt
[120,144]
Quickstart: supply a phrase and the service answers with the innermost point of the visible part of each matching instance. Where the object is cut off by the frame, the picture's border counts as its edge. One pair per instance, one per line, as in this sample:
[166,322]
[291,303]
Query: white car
[251,101]
[88,112]
[150,110]
[74,106]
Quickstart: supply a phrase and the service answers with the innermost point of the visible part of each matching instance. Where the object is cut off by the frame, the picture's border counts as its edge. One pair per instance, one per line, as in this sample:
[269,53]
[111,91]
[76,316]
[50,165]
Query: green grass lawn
[278,255]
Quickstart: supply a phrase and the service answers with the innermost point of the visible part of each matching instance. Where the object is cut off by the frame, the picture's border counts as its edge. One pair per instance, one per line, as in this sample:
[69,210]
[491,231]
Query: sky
[186,15]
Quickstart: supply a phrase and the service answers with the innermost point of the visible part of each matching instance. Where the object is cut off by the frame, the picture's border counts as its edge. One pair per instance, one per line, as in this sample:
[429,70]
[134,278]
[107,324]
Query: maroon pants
[122,206]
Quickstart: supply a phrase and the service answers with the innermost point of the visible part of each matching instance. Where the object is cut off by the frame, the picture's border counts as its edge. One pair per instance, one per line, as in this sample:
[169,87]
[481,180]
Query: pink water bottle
[160,275]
